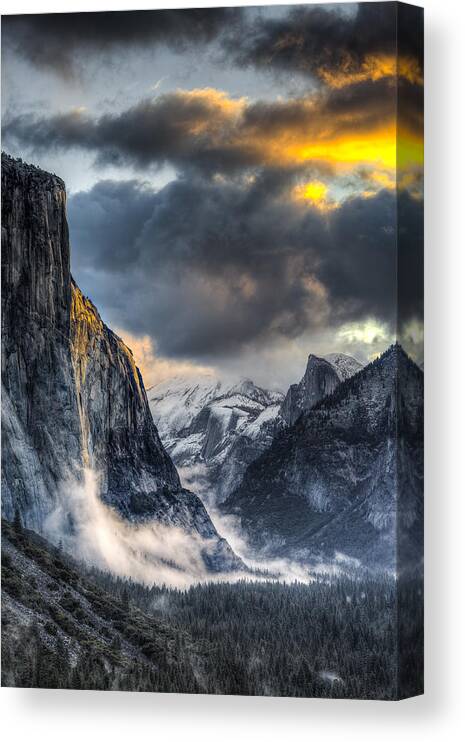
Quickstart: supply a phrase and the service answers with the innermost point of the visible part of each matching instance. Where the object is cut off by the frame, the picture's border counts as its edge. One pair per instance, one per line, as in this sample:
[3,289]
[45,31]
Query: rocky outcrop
[320,379]
[72,397]
[346,480]
[344,365]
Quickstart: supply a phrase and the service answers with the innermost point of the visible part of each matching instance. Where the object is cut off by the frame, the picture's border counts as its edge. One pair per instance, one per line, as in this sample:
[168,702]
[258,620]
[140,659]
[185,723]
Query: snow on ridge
[344,365]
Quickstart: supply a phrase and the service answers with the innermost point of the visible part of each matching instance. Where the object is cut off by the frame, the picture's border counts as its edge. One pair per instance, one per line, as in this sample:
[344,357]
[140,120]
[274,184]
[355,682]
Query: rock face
[40,423]
[346,480]
[344,365]
[320,379]
[214,429]
[119,439]
[72,396]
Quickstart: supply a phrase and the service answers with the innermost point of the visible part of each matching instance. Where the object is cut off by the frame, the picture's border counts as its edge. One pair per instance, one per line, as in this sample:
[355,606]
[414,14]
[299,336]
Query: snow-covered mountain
[176,401]
[213,428]
[344,365]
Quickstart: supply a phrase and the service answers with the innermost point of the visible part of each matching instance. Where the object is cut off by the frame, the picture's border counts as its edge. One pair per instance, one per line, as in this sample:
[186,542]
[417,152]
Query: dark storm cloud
[312,40]
[207,268]
[359,263]
[316,40]
[208,130]
[105,226]
[62,41]
[410,259]
[176,127]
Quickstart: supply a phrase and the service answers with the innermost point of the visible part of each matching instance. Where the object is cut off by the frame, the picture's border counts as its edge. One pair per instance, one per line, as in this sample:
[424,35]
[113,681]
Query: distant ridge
[337,481]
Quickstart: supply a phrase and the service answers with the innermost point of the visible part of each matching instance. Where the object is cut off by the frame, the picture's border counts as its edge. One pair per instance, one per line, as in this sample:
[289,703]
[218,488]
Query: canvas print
[212,351]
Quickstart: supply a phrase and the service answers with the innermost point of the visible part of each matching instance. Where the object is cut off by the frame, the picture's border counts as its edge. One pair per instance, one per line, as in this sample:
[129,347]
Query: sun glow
[366,333]
[316,193]
[375,148]
[339,142]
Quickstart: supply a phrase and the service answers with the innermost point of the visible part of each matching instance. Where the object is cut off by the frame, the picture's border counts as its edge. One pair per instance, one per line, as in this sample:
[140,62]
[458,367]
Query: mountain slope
[118,437]
[344,365]
[213,428]
[176,401]
[65,626]
[40,422]
[72,397]
[61,629]
[337,480]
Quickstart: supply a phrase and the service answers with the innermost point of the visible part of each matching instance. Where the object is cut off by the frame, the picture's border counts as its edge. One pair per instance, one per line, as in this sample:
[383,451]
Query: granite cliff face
[41,436]
[119,439]
[320,379]
[72,396]
[346,480]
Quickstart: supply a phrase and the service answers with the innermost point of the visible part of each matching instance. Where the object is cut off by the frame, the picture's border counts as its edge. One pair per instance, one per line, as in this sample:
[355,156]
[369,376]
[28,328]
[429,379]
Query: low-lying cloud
[151,553]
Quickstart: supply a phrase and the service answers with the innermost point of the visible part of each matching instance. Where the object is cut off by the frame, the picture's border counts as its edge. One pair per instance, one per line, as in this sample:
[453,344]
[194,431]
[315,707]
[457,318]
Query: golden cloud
[337,132]
[373,68]
[155,369]
[314,192]
[307,129]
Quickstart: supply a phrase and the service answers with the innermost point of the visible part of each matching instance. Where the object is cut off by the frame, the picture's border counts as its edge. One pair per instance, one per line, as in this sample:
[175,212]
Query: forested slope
[67,626]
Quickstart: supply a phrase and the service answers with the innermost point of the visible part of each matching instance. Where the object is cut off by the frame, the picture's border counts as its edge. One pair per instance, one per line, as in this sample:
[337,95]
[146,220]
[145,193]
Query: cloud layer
[60,42]
[210,131]
[338,48]
[207,268]
[294,210]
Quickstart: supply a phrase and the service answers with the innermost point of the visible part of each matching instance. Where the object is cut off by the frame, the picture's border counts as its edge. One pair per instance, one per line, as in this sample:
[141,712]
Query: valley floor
[68,626]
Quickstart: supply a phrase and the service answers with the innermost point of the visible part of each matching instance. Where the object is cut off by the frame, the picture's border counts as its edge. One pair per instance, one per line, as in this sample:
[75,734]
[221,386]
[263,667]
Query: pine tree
[125,599]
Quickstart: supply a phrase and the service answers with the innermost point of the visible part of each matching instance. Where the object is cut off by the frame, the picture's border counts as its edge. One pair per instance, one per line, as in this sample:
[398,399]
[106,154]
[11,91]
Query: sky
[244,184]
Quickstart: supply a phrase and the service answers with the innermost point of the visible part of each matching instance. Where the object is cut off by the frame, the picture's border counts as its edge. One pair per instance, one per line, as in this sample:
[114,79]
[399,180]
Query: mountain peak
[344,365]
[393,355]
[319,380]
[336,480]
[314,361]
[384,375]
[15,169]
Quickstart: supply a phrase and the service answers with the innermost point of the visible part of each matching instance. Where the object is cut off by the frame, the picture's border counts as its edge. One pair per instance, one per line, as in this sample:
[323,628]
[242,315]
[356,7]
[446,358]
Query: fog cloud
[150,553]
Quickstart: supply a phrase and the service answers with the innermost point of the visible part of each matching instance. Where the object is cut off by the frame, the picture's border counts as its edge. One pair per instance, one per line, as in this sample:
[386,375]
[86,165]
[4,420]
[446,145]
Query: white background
[87,716]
